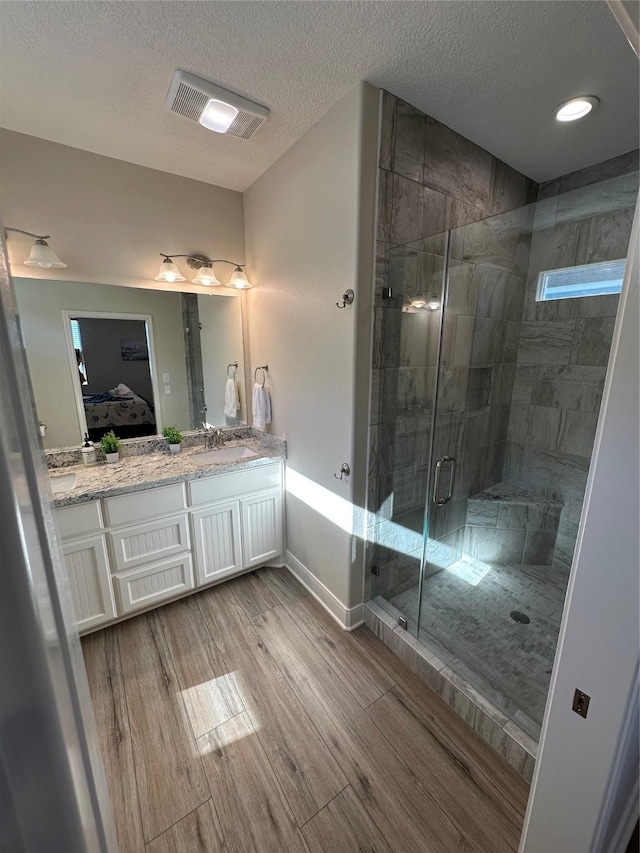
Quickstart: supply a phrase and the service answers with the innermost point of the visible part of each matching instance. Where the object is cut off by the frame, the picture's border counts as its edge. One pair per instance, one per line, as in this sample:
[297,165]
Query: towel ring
[263,368]
[234,365]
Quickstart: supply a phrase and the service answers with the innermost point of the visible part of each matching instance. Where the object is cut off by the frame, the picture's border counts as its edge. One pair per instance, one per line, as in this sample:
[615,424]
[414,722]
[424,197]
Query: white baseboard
[348,618]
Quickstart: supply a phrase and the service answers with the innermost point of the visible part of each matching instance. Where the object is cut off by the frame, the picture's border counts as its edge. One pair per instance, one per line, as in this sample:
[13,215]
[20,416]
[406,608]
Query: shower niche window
[487,407]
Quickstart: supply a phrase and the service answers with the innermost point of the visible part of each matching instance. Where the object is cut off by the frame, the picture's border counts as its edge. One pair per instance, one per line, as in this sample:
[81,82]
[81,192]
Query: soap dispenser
[89,456]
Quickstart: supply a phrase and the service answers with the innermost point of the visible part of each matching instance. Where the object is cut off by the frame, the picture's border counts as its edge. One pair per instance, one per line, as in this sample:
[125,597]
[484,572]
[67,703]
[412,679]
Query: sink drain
[517,616]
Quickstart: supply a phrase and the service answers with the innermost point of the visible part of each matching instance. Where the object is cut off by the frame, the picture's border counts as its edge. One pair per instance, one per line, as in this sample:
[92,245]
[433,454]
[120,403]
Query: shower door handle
[437,499]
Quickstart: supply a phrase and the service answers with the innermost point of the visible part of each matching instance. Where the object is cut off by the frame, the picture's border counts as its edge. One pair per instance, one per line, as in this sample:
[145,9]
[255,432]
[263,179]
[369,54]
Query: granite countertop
[135,473]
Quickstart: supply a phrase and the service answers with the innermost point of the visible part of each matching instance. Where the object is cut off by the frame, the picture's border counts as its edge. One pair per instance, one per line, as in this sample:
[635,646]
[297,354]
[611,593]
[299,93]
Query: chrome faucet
[213,438]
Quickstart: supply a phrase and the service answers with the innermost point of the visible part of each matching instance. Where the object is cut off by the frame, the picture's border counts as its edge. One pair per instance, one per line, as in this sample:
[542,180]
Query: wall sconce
[205,275]
[41,254]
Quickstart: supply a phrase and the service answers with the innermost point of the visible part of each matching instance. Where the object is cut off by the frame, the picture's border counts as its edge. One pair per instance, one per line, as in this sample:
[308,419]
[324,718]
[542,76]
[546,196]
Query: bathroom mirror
[130,359]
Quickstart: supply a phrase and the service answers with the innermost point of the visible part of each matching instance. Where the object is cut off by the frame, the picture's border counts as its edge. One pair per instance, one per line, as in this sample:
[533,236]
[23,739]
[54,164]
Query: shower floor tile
[466,609]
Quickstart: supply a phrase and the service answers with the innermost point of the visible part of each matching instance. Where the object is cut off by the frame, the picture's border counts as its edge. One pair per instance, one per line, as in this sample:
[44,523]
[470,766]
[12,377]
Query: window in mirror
[77,344]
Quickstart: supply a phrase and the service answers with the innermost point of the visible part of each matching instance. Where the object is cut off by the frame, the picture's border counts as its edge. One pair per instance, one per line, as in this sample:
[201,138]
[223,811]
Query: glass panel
[407,337]
[518,391]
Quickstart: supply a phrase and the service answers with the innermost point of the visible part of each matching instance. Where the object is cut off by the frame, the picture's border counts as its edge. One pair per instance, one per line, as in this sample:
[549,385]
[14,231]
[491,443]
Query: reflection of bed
[120,410]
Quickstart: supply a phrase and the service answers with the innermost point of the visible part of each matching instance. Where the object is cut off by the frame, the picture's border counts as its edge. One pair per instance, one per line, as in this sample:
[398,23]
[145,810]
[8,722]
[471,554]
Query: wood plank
[170,779]
[104,672]
[252,594]
[359,670]
[488,768]
[344,826]
[253,812]
[301,760]
[404,811]
[480,817]
[198,832]
[208,688]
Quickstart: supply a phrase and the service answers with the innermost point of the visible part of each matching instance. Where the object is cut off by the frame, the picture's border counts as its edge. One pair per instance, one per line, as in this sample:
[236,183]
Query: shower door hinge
[402,622]
[375,571]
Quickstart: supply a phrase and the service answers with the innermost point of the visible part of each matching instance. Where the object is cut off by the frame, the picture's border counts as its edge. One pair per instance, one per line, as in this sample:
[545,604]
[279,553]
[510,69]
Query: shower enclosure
[496,347]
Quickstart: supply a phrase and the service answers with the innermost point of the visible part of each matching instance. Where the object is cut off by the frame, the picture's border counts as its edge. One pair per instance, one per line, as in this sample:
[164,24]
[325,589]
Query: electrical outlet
[167,389]
[581,702]
[166,377]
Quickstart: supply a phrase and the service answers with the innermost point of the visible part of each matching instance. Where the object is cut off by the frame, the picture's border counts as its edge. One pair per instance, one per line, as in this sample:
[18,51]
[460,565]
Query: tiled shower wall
[564,344]
[195,376]
[430,180]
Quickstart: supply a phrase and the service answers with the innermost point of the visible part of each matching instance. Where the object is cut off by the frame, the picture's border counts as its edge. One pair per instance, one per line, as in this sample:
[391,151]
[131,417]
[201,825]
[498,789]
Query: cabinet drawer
[90,581]
[154,584]
[229,486]
[150,503]
[146,543]
[79,519]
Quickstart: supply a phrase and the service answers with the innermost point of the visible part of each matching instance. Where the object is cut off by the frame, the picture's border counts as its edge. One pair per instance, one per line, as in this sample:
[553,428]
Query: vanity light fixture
[576,108]
[203,267]
[41,254]
[422,305]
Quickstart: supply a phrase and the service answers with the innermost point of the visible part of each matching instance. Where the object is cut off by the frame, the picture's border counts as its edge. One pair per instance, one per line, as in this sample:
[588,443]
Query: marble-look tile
[538,548]
[492,545]
[385,206]
[498,422]
[381,272]
[456,166]
[417,211]
[528,767]
[387,326]
[546,343]
[564,245]
[521,738]
[609,235]
[482,513]
[603,197]
[566,395]
[595,306]
[533,517]
[387,129]
[402,275]
[408,157]
[543,426]
[461,683]
[488,341]
[375,615]
[509,189]
[461,704]
[500,741]
[592,341]
[608,169]
[577,432]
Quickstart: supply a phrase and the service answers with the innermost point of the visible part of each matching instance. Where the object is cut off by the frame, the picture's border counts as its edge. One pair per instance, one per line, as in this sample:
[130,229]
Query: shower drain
[517,616]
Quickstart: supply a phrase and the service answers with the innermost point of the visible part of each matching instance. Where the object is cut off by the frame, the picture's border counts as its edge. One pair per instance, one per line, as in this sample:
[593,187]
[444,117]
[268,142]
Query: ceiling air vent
[213,107]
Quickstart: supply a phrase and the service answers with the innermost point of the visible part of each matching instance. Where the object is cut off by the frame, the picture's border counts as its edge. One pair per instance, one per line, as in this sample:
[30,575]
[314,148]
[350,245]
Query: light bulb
[169,272]
[206,277]
[239,280]
[576,108]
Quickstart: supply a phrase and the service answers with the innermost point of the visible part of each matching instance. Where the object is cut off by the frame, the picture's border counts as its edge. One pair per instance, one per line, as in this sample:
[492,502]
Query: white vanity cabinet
[84,549]
[131,552]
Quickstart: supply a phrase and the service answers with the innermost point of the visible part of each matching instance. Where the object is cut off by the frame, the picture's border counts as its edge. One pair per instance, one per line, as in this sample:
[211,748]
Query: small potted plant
[110,444]
[174,437]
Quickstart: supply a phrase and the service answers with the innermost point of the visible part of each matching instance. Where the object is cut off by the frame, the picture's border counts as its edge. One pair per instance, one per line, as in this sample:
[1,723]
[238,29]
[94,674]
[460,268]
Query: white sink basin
[224,454]
[62,483]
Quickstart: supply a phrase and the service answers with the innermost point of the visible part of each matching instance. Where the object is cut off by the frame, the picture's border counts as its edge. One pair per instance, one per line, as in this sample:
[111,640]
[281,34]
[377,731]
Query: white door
[90,581]
[216,535]
[262,527]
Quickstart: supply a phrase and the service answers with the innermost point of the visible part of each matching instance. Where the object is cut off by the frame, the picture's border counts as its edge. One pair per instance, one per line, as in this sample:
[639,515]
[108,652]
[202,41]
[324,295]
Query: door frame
[67,316]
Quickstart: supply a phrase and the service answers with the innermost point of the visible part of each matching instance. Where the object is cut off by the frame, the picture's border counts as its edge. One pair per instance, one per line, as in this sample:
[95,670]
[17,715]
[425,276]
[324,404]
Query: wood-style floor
[244,719]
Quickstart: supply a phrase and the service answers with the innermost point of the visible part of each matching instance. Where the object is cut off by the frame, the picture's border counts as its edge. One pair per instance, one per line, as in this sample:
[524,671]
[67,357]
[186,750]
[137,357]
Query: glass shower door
[406,352]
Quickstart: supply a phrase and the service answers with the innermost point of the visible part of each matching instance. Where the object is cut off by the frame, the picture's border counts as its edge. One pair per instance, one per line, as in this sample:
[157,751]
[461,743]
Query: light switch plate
[167,389]
[166,377]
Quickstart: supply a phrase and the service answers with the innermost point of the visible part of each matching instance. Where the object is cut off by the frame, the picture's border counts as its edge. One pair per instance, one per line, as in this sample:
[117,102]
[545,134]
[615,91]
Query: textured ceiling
[94,75]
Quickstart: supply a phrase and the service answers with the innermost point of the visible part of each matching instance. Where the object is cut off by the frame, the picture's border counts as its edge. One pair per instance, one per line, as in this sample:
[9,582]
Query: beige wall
[40,304]
[109,219]
[304,245]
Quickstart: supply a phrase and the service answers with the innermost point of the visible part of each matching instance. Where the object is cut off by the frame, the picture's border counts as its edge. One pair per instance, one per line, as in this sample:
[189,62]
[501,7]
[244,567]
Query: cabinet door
[262,527]
[90,580]
[216,535]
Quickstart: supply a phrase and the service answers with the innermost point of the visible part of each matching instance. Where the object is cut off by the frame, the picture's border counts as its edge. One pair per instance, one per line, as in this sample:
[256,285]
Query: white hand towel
[261,406]
[231,399]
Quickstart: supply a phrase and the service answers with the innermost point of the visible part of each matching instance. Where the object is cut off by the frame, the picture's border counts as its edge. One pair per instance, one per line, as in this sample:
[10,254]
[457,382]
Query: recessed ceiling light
[576,108]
